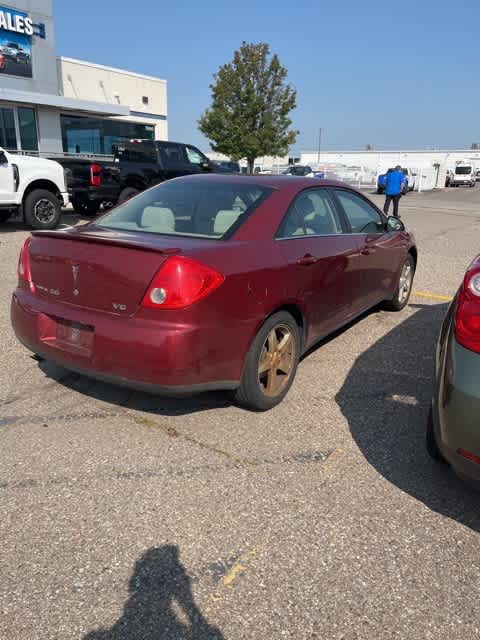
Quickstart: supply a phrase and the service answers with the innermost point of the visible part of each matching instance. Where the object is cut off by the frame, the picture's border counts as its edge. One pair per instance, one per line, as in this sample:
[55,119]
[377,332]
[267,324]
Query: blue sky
[393,74]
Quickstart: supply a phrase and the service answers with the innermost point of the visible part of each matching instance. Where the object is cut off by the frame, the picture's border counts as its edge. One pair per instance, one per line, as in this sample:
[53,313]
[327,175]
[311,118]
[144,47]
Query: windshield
[179,208]
[463,171]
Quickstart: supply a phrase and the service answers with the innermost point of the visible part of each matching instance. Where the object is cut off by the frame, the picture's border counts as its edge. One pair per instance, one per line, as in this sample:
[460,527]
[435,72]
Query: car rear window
[195,209]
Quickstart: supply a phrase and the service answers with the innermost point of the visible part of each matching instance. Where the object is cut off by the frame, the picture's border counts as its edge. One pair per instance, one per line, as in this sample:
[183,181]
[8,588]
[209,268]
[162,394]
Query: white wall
[381,160]
[89,81]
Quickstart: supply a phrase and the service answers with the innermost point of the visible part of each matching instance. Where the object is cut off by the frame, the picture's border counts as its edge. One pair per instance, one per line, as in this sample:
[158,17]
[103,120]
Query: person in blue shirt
[393,189]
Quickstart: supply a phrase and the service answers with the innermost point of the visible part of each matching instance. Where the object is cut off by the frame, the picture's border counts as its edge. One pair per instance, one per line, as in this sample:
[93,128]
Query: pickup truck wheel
[126,194]
[86,209]
[42,209]
[4,216]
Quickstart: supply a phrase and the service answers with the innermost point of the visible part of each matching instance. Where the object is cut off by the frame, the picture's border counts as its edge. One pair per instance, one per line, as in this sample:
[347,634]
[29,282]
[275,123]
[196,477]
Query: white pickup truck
[32,189]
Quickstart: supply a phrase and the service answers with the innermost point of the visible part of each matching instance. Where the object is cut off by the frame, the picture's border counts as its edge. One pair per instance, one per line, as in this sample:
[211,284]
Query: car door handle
[307,260]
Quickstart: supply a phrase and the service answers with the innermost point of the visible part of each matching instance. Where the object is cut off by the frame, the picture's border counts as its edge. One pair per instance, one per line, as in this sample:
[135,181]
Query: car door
[319,255]
[380,252]
[174,160]
[198,162]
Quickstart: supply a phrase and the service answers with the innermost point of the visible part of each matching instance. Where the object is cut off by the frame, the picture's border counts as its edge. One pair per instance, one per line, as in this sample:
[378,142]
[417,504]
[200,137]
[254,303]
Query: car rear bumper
[139,353]
[105,193]
[457,408]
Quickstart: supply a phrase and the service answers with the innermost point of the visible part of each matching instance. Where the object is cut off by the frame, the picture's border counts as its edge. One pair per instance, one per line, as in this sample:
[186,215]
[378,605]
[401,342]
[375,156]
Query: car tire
[4,216]
[126,194]
[85,209]
[42,210]
[431,445]
[253,392]
[404,286]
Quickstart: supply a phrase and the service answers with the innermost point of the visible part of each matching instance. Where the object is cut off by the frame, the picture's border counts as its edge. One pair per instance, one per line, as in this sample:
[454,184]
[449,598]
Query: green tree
[251,103]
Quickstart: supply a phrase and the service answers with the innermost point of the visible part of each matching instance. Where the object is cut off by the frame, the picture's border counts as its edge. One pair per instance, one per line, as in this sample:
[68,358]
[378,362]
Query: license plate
[75,334]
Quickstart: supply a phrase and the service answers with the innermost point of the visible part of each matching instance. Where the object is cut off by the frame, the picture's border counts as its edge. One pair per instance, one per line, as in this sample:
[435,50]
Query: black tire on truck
[42,209]
[126,194]
[4,216]
[86,209]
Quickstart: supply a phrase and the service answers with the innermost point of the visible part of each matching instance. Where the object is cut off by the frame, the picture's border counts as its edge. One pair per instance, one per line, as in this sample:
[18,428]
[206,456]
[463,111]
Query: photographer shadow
[161,604]
[386,398]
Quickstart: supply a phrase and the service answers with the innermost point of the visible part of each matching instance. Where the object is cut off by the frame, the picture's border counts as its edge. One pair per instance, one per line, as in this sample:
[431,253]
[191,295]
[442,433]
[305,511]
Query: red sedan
[210,282]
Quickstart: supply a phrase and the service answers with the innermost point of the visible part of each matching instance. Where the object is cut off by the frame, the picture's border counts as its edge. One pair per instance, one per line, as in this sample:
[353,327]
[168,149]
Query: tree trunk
[251,162]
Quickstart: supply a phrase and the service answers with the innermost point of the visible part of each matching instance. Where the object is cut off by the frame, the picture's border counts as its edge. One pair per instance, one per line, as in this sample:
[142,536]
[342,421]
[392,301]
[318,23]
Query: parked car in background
[14,52]
[3,63]
[477,175]
[300,170]
[210,282]
[463,174]
[408,184]
[356,175]
[411,176]
[225,166]
[453,432]
[137,165]
[31,189]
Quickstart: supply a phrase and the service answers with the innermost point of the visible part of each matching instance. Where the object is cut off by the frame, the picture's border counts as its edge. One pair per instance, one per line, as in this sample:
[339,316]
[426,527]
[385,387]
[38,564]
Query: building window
[8,136]
[100,136]
[27,125]
[145,99]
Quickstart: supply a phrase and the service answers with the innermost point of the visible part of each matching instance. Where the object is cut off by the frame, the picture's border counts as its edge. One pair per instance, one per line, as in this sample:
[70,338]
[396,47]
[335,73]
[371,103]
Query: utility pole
[319,144]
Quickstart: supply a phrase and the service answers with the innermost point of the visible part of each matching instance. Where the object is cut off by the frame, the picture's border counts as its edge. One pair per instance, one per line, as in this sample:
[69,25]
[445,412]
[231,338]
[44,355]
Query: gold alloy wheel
[277,360]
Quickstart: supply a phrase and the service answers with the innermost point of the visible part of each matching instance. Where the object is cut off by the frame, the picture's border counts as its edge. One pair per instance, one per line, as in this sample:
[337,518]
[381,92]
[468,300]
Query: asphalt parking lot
[126,516]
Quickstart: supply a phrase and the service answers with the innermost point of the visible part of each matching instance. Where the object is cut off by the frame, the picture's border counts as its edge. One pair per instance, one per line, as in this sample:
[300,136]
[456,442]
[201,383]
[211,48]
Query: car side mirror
[205,164]
[394,224]
[3,157]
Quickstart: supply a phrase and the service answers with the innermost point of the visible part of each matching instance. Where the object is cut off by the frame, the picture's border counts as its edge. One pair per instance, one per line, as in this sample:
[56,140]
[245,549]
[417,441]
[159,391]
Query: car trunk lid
[96,269]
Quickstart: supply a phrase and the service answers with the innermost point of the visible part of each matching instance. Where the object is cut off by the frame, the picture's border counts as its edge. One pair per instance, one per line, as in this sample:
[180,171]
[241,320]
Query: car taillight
[24,272]
[179,283]
[467,317]
[95,175]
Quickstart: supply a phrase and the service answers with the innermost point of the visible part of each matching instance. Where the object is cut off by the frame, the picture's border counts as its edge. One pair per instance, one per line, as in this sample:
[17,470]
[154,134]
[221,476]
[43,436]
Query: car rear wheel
[404,286]
[42,210]
[433,449]
[271,364]
[126,194]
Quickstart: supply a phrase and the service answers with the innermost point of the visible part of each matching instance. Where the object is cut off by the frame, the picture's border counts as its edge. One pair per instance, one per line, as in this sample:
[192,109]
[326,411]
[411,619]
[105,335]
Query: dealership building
[53,105]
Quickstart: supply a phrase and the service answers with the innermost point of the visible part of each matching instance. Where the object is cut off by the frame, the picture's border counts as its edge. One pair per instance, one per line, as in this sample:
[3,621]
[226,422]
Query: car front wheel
[42,210]
[271,364]
[404,286]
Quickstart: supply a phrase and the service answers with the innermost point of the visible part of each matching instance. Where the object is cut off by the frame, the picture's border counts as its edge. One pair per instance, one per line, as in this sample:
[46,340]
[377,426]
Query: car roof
[294,183]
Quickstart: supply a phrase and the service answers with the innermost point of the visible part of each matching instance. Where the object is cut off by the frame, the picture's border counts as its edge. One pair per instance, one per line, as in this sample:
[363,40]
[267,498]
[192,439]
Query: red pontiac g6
[210,282]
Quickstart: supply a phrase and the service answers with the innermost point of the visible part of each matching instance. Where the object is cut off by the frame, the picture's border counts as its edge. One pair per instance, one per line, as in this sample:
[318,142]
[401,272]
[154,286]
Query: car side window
[194,156]
[363,217]
[173,154]
[311,213]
